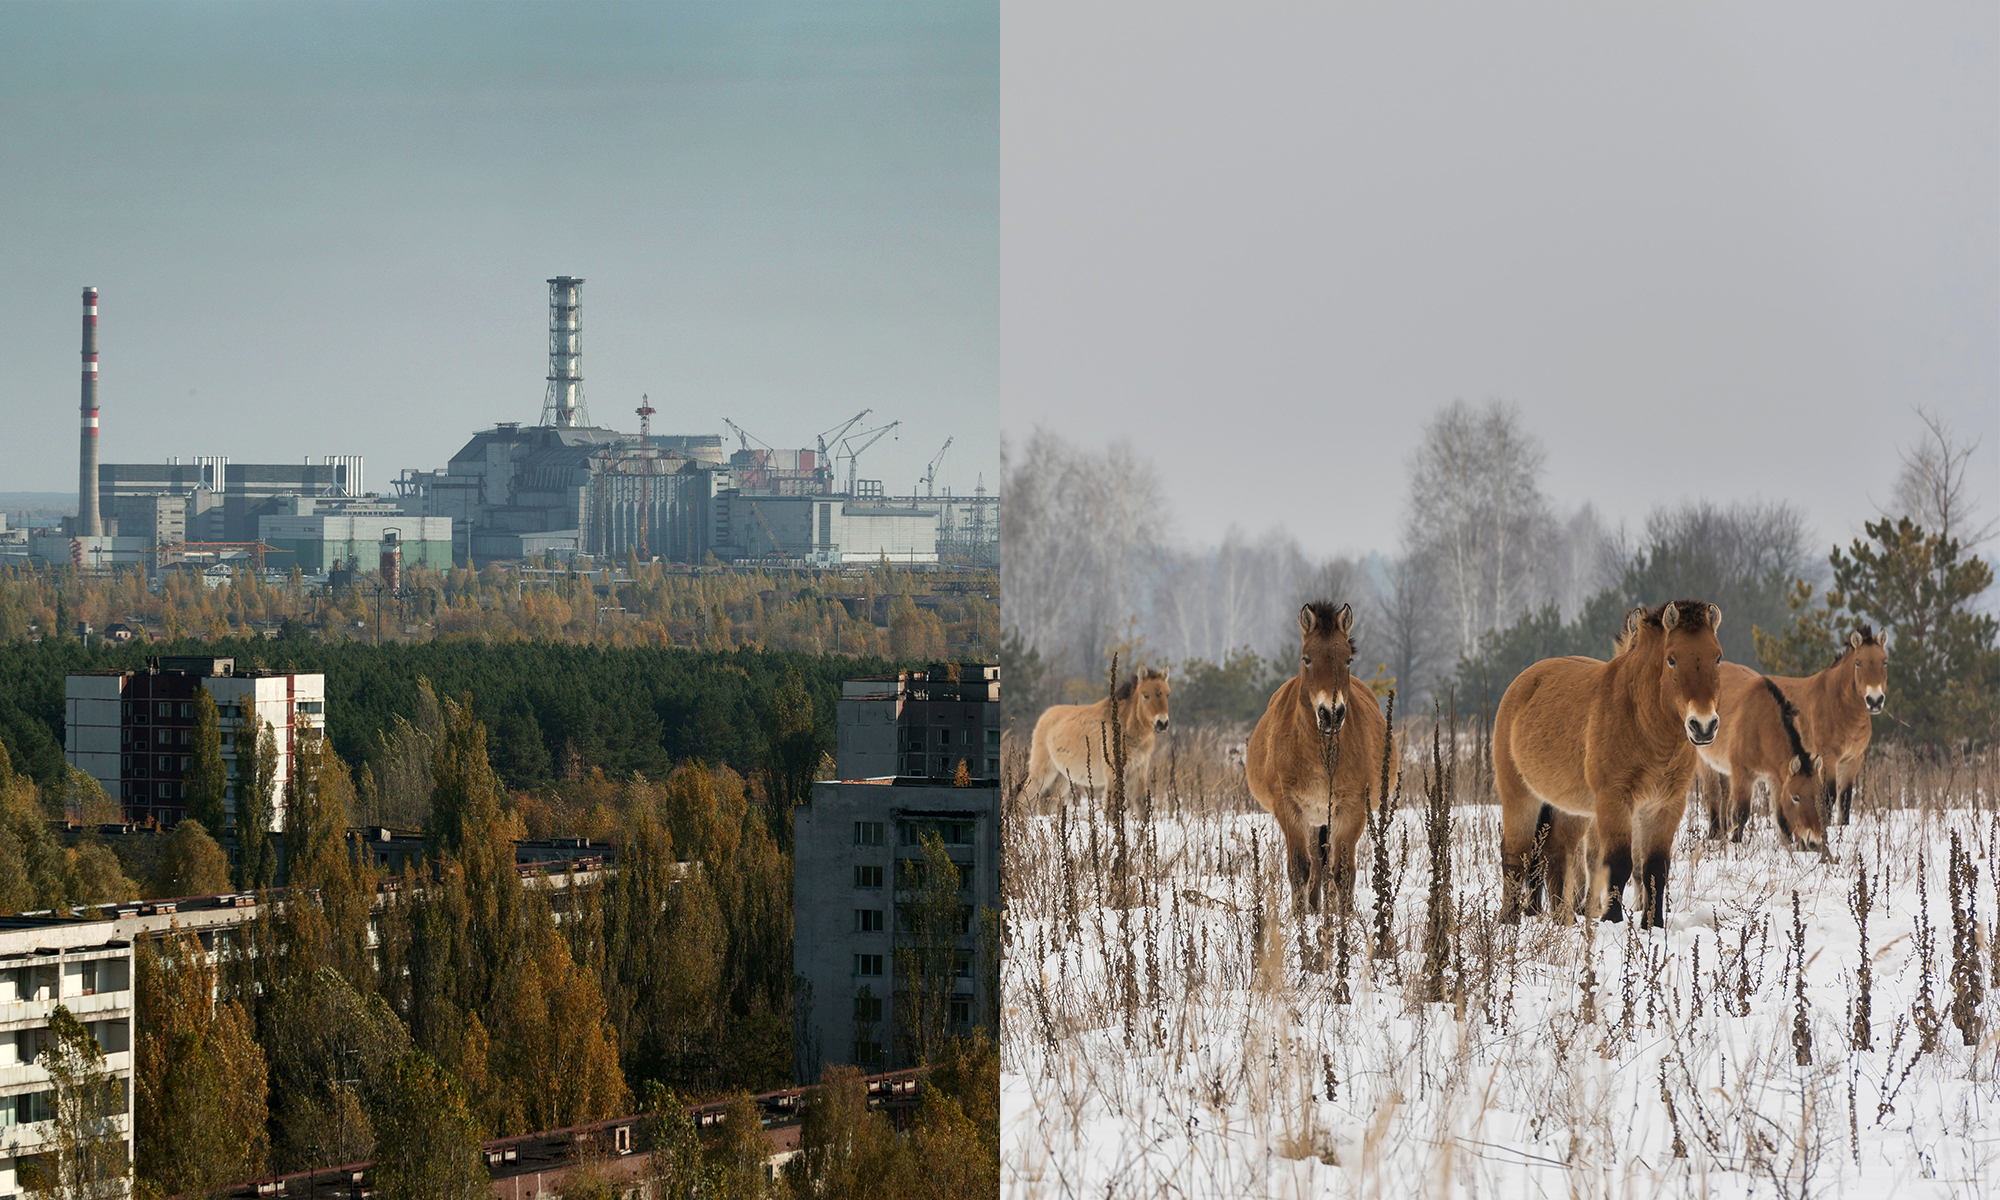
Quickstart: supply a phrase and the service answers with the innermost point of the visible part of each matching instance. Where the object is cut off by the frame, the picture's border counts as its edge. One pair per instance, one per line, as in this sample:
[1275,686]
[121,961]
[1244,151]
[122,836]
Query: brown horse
[1834,710]
[1613,741]
[1760,743]
[1069,740]
[1322,714]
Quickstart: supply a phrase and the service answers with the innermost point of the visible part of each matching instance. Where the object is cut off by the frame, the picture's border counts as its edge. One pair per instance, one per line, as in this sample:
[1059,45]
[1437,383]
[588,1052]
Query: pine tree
[207,785]
[1943,662]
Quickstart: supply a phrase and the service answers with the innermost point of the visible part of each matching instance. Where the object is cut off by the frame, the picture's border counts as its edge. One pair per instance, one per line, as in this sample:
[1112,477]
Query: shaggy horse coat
[1834,710]
[1070,739]
[1760,742]
[1610,741]
[1321,713]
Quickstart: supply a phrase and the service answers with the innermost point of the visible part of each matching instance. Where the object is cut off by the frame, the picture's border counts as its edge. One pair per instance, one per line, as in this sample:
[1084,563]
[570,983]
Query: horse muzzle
[1700,732]
[1876,702]
[1331,718]
[1159,724]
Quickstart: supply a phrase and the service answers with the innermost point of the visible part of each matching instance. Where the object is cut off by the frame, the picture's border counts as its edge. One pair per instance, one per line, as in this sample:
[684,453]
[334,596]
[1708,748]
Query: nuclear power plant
[564,491]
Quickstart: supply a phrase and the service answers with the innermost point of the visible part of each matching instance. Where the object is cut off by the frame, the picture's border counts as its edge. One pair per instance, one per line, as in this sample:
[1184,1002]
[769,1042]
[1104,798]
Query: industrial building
[316,534]
[563,488]
[84,965]
[132,731]
[900,742]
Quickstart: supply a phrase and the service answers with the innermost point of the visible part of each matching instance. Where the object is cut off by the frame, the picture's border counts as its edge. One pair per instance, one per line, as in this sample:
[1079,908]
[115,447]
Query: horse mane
[1788,713]
[1131,682]
[1691,613]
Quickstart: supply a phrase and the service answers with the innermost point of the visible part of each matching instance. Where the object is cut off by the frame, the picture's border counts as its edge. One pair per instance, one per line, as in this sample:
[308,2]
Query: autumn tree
[198,1078]
[795,744]
[846,1150]
[206,785]
[256,791]
[428,1143]
[85,1154]
[738,1152]
[928,917]
[664,946]
[331,1047]
[191,863]
[555,1058]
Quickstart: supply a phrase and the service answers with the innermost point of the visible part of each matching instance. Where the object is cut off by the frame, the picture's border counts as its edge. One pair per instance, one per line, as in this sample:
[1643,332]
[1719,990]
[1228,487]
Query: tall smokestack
[88,522]
[563,406]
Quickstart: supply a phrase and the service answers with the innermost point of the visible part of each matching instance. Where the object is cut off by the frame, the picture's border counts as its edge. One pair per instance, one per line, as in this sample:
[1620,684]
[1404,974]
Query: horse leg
[1524,824]
[1558,860]
[1740,787]
[1710,787]
[1657,823]
[1346,834]
[1614,836]
[1298,865]
[1847,771]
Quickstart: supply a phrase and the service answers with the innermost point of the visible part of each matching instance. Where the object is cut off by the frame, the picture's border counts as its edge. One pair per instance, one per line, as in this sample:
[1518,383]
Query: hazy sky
[1710,250]
[325,228]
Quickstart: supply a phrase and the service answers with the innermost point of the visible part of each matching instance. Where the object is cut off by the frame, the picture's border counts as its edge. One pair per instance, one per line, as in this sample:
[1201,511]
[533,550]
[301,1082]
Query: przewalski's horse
[1760,742]
[1613,741]
[1070,739]
[1834,710]
[1319,713]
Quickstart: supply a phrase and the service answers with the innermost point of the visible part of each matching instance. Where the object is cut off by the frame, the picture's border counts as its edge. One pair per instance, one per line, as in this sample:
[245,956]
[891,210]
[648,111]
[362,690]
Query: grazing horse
[1834,710]
[1069,740]
[1760,743]
[1320,714]
[1611,741]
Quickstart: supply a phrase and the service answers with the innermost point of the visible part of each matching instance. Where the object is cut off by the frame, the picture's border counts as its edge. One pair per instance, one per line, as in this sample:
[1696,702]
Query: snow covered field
[1172,1030]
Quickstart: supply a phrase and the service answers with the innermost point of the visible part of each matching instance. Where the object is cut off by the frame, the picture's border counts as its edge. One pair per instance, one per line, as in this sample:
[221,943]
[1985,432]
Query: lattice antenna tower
[563,405]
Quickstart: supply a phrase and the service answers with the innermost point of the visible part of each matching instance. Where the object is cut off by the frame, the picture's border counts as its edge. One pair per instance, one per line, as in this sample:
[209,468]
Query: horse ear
[1854,639]
[1345,618]
[1306,618]
[1715,618]
[1795,767]
[1670,616]
[1819,764]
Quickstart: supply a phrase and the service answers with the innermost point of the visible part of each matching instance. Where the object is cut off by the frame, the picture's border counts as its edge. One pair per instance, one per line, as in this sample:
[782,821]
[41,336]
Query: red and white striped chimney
[89,523]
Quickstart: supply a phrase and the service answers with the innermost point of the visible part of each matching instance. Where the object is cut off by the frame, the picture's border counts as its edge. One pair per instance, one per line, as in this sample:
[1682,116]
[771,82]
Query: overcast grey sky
[1710,249]
[325,228]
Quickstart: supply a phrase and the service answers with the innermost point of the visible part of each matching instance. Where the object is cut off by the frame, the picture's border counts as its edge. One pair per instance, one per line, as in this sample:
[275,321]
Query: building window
[868,920]
[187,710]
[867,1008]
[90,979]
[868,833]
[139,771]
[992,766]
[869,965]
[992,737]
[867,877]
[944,737]
[166,709]
[961,961]
[961,1013]
[166,791]
[126,762]
[868,1054]
[186,762]
[166,763]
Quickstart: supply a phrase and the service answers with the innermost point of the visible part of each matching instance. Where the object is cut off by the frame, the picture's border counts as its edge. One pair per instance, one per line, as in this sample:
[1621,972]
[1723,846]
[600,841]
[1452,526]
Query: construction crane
[930,472]
[745,435]
[854,455]
[834,435]
[645,411]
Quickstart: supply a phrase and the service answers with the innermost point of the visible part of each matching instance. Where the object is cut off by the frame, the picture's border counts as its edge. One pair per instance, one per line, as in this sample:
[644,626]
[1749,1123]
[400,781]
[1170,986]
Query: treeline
[1490,576]
[556,710]
[486,1005]
[882,612]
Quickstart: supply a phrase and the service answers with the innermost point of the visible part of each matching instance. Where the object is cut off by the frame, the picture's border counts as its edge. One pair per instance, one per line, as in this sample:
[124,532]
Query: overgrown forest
[485,1004]
[555,710]
[881,612]
[1491,576]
